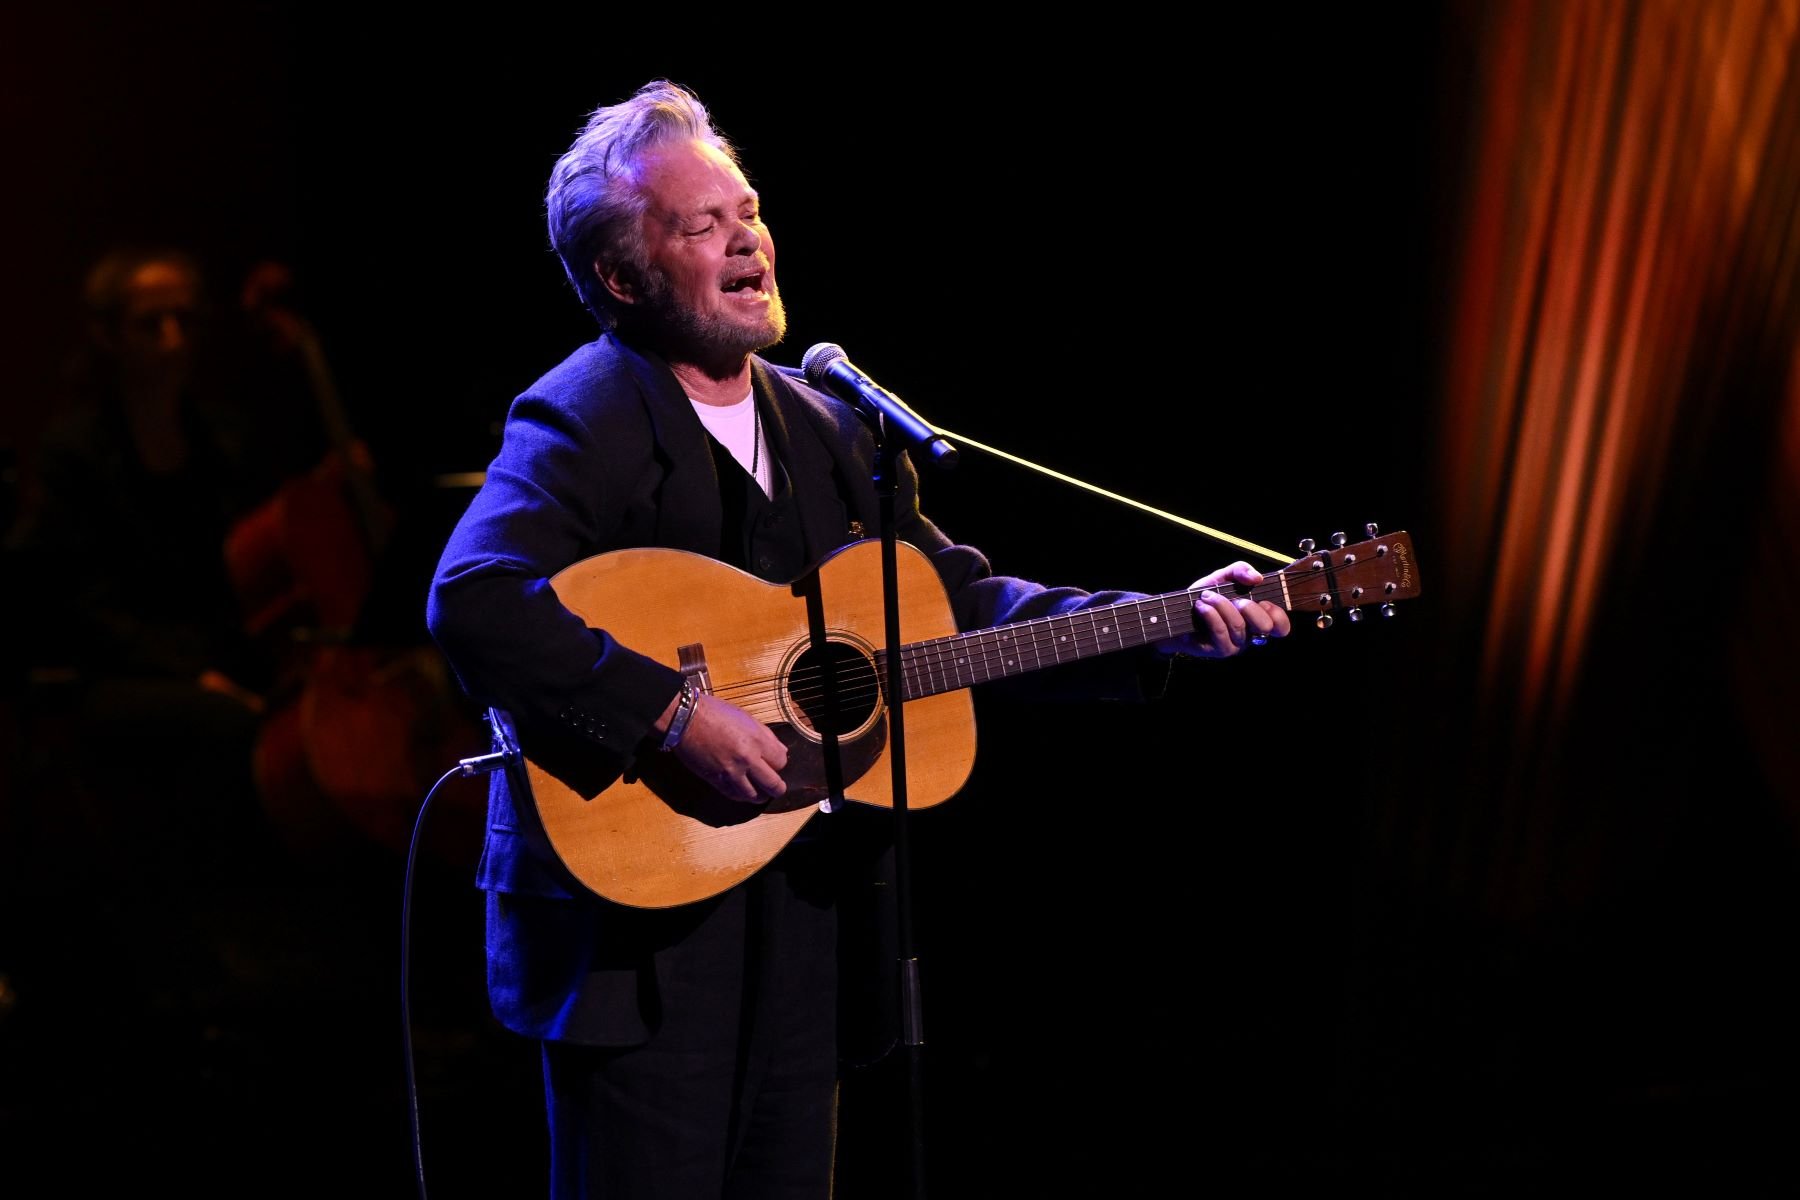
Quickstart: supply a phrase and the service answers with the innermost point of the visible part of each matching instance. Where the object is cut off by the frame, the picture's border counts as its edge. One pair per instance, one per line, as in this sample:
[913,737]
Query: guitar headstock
[1348,578]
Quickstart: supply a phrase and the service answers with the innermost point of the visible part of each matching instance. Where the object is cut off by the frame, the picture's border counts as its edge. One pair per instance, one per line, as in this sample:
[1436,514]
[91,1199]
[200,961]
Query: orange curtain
[1624,308]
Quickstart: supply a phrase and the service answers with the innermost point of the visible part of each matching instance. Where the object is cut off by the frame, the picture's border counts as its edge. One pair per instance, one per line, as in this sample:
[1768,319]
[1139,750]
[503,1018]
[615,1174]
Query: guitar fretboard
[948,663]
[1377,571]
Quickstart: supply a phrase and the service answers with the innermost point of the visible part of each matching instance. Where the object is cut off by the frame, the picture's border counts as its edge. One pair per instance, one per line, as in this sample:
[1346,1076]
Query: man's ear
[618,279]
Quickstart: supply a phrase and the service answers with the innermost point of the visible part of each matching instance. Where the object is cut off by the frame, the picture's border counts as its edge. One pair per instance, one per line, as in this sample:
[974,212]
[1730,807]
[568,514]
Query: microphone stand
[886,479]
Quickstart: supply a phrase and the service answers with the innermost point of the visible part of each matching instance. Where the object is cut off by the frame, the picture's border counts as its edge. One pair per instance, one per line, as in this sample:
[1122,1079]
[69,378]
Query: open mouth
[749,281]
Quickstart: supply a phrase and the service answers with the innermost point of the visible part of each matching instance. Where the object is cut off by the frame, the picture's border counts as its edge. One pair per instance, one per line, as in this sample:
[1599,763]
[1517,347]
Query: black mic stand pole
[887,471]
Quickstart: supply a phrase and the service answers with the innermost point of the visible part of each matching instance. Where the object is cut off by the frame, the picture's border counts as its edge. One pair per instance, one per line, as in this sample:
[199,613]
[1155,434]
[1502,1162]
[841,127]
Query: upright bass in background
[358,727]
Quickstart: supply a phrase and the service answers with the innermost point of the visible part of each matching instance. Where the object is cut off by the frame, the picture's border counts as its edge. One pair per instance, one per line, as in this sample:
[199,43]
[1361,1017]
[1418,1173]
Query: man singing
[689,1051]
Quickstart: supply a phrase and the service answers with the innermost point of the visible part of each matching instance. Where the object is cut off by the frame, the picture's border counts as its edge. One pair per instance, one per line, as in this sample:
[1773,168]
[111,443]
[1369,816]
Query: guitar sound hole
[840,670]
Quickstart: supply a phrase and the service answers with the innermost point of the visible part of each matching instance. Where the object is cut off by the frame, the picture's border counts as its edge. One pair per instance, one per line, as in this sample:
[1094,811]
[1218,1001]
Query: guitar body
[800,656]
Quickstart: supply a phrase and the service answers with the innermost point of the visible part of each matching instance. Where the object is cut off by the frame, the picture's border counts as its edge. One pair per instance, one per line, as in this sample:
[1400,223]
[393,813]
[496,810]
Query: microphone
[828,369]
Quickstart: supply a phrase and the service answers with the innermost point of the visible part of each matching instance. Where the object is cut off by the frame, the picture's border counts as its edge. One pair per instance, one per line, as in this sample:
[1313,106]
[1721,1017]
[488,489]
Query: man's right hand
[732,751]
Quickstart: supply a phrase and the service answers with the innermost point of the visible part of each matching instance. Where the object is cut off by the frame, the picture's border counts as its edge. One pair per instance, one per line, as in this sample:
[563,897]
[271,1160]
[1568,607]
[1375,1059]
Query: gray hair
[594,204]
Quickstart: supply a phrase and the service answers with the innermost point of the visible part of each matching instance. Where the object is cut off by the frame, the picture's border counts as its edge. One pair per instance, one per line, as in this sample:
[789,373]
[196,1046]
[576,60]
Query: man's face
[709,292]
[157,323]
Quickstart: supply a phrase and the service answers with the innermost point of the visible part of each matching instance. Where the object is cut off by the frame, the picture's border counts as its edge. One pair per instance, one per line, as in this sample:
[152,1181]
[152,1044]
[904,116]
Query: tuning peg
[1387,610]
[1338,540]
[1306,545]
[1372,529]
[1356,614]
[1324,621]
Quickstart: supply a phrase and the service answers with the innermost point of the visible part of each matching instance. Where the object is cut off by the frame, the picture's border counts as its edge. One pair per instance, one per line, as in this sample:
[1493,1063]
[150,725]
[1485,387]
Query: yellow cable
[1283,559]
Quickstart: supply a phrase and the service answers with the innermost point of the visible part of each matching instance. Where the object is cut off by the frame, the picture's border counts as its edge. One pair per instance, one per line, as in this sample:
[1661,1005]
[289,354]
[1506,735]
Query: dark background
[1202,262]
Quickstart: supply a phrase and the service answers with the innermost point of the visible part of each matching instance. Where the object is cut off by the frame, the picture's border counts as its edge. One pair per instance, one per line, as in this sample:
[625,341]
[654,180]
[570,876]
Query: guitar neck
[946,664]
[1377,571]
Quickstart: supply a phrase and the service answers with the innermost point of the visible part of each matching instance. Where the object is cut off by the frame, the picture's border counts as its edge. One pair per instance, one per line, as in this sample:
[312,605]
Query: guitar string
[953,655]
[982,656]
[935,651]
[933,657]
[859,684]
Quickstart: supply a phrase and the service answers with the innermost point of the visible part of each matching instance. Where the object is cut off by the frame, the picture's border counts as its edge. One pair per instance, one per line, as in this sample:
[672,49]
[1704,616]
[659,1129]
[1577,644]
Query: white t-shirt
[739,429]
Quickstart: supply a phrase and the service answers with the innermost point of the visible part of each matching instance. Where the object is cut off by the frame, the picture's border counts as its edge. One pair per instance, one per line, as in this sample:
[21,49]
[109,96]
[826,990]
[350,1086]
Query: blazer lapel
[814,472]
[689,514]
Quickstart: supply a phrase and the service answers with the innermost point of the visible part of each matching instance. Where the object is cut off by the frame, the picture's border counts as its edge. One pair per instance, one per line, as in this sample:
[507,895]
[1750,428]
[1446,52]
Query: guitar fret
[978,658]
[919,680]
[1182,607]
[1143,626]
[1158,626]
[968,661]
[965,660]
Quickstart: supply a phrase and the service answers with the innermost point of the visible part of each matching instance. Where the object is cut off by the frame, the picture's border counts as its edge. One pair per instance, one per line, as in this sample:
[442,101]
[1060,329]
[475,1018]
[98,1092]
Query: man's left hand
[1225,622]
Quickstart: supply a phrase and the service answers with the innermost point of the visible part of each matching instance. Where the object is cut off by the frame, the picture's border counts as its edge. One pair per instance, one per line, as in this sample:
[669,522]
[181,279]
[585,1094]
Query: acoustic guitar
[809,659]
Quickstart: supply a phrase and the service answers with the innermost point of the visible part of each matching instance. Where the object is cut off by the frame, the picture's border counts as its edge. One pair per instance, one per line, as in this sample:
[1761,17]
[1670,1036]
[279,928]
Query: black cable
[412,1085]
[479,765]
